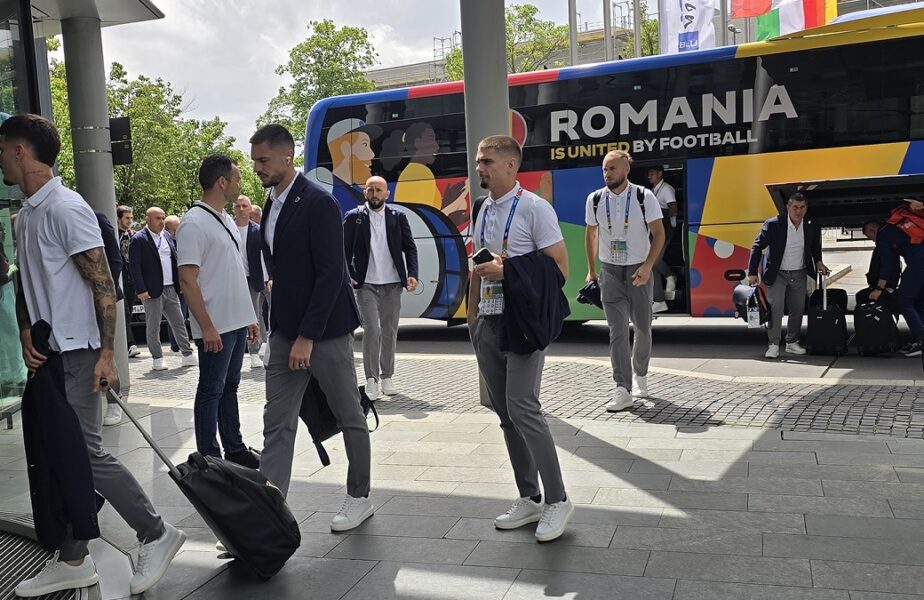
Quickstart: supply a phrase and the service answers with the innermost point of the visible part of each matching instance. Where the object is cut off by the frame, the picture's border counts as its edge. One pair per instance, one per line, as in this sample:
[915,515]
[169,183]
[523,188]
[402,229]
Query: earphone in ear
[288,160]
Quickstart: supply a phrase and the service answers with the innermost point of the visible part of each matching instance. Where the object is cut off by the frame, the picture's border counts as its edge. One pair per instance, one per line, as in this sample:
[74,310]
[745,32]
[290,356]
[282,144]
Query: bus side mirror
[735,275]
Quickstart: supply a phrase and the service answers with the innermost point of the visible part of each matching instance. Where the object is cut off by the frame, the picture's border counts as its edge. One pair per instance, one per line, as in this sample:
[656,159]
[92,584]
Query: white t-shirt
[635,236]
[666,195]
[206,243]
[381,270]
[794,254]
[163,252]
[534,226]
[54,224]
[273,217]
[242,231]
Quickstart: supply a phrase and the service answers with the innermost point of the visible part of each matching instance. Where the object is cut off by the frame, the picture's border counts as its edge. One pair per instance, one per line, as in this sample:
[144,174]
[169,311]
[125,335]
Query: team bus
[837,112]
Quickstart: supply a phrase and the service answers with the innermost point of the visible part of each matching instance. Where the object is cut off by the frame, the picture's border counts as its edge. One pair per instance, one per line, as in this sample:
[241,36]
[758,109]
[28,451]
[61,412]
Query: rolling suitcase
[247,514]
[875,329]
[827,326]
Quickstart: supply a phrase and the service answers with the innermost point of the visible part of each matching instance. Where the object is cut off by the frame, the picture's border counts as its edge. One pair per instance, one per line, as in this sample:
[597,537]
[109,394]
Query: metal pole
[637,25]
[89,110]
[487,104]
[572,30]
[723,12]
[607,31]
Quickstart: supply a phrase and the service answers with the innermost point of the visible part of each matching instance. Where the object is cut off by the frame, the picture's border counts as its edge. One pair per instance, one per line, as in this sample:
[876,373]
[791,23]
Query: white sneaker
[773,351]
[621,400]
[372,389]
[639,386]
[554,519]
[670,284]
[190,360]
[522,512]
[154,559]
[262,351]
[352,514]
[794,348]
[57,575]
[388,387]
[657,307]
[133,351]
[256,362]
[159,365]
[220,547]
[113,415]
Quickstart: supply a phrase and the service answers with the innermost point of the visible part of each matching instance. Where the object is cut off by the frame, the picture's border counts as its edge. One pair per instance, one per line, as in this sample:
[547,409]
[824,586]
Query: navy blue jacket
[60,478]
[113,253]
[144,261]
[534,304]
[312,296]
[892,242]
[774,234]
[357,236]
[253,246]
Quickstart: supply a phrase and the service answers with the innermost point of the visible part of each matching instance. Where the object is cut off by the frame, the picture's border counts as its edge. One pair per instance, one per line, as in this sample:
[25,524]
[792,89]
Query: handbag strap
[220,222]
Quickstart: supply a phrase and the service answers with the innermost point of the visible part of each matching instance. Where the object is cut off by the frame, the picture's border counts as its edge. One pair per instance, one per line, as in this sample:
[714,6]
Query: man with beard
[223,320]
[312,318]
[375,236]
[512,223]
[125,218]
[624,228]
[350,144]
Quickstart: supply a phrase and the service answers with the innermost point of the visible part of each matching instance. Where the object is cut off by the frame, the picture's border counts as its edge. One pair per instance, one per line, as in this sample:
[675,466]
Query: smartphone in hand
[482,256]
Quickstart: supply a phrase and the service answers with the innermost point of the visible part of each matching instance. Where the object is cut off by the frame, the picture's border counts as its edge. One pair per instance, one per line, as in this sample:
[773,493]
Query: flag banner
[790,16]
[686,25]
[742,9]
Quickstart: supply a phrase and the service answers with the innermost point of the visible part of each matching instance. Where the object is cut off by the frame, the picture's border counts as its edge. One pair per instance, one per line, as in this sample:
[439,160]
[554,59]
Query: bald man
[171,224]
[256,214]
[152,257]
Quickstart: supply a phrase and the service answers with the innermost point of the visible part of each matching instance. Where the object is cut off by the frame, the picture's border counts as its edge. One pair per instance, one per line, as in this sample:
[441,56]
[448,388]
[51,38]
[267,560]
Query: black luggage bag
[247,513]
[745,296]
[316,414]
[836,296]
[875,329]
[827,325]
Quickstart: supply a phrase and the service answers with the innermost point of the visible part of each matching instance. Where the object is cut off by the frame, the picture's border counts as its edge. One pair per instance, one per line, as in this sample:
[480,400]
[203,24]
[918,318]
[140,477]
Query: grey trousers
[332,365]
[112,480]
[168,305]
[662,270]
[513,382]
[380,308]
[257,299]
[623,301]
[788,289]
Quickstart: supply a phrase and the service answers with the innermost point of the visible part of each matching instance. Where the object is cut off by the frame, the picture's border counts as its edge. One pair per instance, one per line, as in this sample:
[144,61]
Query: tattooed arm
[94,269]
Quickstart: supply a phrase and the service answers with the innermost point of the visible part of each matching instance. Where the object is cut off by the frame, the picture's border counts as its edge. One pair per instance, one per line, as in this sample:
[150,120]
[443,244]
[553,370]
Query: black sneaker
[248,457]
[913,349]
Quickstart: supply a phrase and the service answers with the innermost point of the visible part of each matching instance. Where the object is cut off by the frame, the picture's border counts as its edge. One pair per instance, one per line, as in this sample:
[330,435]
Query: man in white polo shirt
[221,313]
[66,283]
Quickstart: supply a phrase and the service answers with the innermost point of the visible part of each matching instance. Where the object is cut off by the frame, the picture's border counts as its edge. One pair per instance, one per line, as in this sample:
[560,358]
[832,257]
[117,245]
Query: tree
[166,147]
[331,61]
[650,36]
[532,44]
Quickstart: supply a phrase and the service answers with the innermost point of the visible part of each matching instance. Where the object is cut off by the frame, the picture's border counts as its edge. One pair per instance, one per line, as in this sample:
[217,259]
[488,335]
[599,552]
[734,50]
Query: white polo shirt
[205,242]
[666,195]
[381,270]
[636,235]
[794,254]
[163,252]
[54,224]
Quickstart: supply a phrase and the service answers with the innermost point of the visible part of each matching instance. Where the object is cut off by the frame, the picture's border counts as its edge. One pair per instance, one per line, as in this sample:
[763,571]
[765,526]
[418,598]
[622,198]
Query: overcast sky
[221,54]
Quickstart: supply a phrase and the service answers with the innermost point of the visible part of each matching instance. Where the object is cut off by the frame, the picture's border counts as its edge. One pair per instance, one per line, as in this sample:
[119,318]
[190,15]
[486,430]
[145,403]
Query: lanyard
[513,209]
[625,222]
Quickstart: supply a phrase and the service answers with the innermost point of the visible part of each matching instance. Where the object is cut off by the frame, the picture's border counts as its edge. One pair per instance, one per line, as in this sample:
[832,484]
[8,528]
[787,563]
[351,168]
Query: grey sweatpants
[165,305]
[513,382]
[112,480]
[622,301]
[380,308]
[788,289]
[331,363]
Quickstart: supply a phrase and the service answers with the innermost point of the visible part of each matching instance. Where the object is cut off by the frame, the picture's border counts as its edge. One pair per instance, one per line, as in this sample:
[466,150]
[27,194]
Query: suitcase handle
[822,284]
[147,437]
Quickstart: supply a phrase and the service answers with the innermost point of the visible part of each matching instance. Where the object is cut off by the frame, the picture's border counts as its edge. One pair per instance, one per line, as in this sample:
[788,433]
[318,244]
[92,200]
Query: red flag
[741,9]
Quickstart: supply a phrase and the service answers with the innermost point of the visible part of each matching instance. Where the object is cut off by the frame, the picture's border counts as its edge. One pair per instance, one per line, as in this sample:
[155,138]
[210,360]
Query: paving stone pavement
[576,388]
[670,504]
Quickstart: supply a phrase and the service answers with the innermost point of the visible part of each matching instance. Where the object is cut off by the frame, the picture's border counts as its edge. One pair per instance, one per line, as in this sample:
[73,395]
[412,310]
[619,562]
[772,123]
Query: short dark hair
[503,144]
[866,224]
[797,197]
[36,131]
[213,167]
[275,134]
[122,209]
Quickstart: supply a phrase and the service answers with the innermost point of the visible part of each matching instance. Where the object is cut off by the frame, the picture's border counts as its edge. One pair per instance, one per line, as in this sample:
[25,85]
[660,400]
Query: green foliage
[532,43]
[650,36]
[331,61]
[166,147]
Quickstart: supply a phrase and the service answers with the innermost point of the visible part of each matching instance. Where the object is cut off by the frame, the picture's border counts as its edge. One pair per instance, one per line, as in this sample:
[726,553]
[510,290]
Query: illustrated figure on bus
[350,144]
